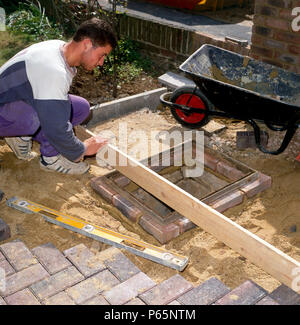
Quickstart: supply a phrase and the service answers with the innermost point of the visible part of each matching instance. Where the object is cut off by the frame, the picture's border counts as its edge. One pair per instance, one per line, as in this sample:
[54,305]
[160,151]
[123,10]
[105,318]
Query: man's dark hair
[98,31]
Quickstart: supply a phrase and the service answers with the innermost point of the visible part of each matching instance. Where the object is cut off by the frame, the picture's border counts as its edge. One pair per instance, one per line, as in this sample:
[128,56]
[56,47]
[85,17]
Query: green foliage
[128,59]
[30,19]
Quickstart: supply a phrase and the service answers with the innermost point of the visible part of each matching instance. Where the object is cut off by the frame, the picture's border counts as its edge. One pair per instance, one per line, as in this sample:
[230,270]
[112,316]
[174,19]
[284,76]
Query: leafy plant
[30,19]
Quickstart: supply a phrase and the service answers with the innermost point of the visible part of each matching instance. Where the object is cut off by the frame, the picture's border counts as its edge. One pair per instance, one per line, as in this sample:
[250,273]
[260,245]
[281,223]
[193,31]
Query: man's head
[95,38]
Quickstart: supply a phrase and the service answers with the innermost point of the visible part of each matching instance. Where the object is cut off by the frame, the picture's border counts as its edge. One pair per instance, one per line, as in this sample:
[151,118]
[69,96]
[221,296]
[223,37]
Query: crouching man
[35,104]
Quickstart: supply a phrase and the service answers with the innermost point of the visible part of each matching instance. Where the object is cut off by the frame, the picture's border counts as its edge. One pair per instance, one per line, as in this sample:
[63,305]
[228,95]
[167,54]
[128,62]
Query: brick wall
[169,44]
[273,39]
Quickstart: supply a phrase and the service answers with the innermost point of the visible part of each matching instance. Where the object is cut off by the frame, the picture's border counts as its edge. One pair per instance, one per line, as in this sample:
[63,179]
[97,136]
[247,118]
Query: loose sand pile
[273,215]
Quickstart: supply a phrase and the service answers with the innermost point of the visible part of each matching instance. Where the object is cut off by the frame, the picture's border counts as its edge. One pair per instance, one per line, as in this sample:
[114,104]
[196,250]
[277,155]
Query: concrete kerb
[120,107]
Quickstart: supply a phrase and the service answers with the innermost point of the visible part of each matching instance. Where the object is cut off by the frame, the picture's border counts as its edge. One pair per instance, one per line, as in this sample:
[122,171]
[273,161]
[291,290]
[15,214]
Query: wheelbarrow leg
[291,129]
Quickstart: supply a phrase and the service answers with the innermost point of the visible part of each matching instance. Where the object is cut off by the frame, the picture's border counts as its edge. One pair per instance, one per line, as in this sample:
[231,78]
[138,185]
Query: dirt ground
[273,214]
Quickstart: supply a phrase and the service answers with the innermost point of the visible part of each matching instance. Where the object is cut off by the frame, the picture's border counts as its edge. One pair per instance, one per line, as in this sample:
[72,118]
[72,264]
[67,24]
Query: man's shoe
[21,146]
[62,165]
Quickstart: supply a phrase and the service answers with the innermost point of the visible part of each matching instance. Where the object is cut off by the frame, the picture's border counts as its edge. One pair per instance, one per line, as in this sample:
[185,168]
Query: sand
[273,215]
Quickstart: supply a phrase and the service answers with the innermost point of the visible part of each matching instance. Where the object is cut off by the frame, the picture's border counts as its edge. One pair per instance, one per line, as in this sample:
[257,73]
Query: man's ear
[87,43]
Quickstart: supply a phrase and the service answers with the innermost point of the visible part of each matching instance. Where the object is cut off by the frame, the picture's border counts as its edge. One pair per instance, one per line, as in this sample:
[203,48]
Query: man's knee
[80,109]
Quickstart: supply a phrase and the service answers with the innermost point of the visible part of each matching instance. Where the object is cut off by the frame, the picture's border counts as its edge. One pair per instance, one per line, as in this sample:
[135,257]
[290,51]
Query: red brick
[84,260]
[24,278]
[262,51]
[51,258]
[184,224]
[129,289]
[287,37]
[122,181]
[205,294]
[61,298]
[210,161]
[18,254]
[228,201]
[126,207]
[102,188]
[56,283]
[24,297]
[276,23]
[248,293]
[166,291]
[92,286]
[162,233]
[229,171]
[261,184]
[293,49]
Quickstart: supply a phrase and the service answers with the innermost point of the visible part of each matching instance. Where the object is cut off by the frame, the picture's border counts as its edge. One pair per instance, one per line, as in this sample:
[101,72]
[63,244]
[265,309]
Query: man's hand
[92,145]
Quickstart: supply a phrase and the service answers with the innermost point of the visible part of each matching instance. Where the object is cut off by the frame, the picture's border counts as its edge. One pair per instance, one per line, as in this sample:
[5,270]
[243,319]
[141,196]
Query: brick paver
[267,301]
[167,291]
[84,260]
[62,298]
[129,289]
[2,302]
[18,254]
[119,264]
[56,283]
[92,286]
[23,297]
[51,258]
[98,300]
[24,279]
[205,294]
[285,296]
[248,293]
[7,268]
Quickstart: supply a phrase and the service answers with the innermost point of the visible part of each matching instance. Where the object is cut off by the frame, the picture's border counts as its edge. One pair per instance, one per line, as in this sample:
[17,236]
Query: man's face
[94,56]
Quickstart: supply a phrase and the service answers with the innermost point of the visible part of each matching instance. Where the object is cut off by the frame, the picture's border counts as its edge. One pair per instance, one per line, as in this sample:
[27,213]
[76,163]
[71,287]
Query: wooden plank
[258,251]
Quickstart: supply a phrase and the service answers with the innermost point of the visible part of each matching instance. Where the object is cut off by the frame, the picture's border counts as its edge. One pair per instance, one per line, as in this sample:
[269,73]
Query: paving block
[210,161]
[135,302]
[248,293]
[7,268]
[184,224]
[51,258]
[102,188]
[22,279]
[18,254]
[285,296]
[85,261]
[62,298]
[205,294]
[261,184]
[228,201]
[174,303]
[92,286]
[246,139]
[56,283]
[2,302]
[129,289]
[122,180]
[163,233]
[2,257]
[23,297]
[4,230]
[98,300]
[129,210]
[167,291]
[267,301]
[229,171]
[119,265]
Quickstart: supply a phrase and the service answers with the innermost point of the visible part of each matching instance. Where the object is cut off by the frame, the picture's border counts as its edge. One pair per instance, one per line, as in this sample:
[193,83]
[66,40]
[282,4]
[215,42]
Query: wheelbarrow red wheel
[190,97]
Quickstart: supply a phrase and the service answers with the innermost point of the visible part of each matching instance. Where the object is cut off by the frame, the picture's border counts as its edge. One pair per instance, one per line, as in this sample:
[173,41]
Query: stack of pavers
[78,276]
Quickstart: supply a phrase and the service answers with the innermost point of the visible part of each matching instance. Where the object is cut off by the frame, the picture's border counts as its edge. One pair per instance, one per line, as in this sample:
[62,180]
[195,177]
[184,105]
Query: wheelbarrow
[230,85]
